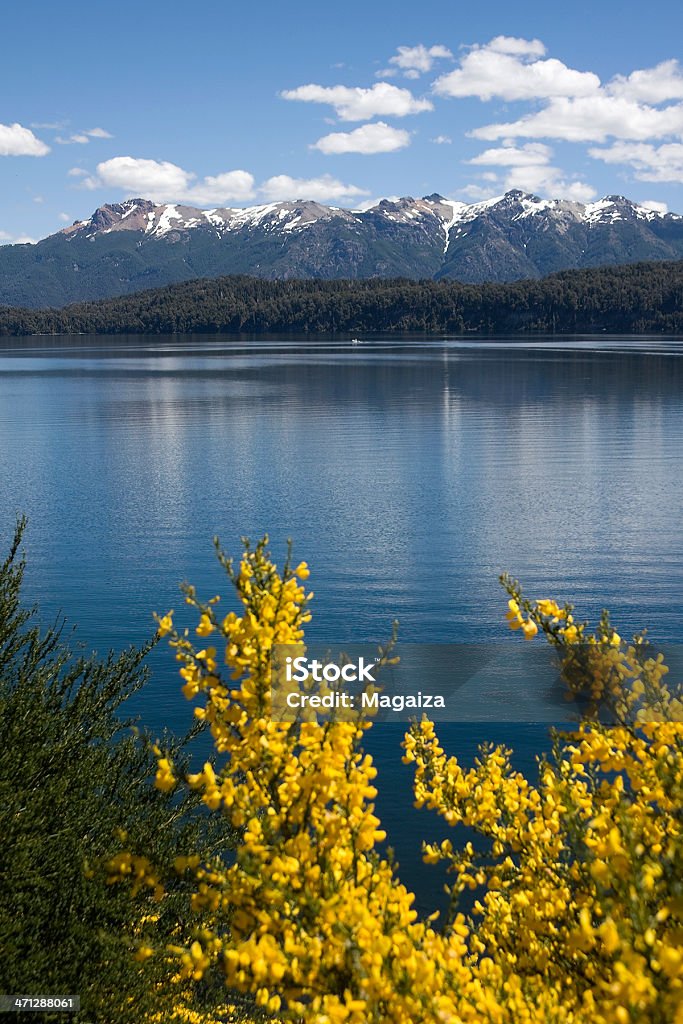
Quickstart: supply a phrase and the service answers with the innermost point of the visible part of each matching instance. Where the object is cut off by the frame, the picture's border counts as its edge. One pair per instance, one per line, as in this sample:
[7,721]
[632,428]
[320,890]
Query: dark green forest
[640,298]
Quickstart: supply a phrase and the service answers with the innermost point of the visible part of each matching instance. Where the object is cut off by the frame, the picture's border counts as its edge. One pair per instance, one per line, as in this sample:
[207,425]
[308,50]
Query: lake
[409,473]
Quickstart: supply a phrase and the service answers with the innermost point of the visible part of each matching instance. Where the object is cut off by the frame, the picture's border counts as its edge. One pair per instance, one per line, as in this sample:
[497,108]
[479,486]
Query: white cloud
[7,239]
[650,85]
[215,190]
[649,163]
[529,169]
[512,156]
[653,204]
[548,182]
[590,119]
[356,104]
[83,137]
[516,46]
[65,217]
[505,68]
[369,138]
[323,190]
[166,182]
[52,126]
[579,192]
[416,60]
[475,193]
[15,140]
[153,178]
[442,140]
[77,172]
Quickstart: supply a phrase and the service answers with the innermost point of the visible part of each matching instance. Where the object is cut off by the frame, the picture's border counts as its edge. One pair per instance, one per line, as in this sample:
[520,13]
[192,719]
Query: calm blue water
[409,473]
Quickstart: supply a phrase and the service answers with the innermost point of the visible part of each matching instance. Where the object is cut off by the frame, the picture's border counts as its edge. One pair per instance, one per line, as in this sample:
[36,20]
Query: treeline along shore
[640,298]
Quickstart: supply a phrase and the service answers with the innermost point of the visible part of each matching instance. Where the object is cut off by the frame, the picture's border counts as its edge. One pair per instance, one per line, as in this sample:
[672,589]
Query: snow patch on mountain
[604,211]
[165,221]
[433,221]
[450,215]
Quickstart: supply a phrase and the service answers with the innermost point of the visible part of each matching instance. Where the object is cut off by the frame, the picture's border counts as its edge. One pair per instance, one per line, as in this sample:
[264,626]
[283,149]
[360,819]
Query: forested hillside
[643,297]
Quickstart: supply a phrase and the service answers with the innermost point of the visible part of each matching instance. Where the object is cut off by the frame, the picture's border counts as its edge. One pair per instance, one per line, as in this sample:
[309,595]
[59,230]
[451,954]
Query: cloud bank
[165,182]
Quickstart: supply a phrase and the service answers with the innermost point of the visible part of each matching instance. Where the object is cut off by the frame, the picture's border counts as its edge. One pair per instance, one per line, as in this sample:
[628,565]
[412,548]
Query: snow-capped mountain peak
[138,243]
[158,220]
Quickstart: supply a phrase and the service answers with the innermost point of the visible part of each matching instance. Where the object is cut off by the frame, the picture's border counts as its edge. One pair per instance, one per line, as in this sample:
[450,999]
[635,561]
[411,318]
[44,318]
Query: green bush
[74,776]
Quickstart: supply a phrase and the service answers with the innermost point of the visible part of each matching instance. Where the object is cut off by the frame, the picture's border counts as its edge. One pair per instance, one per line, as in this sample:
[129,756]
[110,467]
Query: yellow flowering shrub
[577,878]
[309,918]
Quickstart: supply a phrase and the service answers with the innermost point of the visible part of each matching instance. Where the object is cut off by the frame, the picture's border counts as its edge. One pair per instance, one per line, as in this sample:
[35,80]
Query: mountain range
[137,244]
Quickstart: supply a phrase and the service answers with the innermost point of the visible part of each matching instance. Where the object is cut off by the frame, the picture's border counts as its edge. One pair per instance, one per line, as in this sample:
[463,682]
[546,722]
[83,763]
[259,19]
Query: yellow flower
[165,780]
[530,629]
[551,609]
[206,626]
[165,624]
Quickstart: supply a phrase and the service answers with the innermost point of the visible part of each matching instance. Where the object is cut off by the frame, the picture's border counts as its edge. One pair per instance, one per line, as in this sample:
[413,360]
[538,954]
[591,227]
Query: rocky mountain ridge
[157,220]
[125,247]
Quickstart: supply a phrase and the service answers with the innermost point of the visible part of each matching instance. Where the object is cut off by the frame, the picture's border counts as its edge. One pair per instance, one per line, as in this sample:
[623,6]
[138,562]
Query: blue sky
[225,104]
